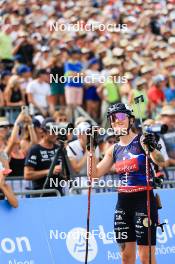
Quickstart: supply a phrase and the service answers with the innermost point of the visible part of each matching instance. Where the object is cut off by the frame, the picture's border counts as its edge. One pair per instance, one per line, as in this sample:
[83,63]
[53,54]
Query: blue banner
[52,230]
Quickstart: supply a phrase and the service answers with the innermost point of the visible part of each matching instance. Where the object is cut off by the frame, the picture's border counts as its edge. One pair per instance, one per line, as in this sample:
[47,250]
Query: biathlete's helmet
[120,108]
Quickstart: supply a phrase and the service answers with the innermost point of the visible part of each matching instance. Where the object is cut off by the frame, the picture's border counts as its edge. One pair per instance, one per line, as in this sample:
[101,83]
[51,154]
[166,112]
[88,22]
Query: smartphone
[25,109]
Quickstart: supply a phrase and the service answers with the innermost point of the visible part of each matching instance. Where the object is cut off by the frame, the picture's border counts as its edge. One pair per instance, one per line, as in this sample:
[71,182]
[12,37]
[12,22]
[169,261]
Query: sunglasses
[119,116]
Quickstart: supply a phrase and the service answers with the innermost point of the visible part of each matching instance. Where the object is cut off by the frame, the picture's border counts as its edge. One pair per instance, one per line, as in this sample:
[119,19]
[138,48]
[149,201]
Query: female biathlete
[129,156]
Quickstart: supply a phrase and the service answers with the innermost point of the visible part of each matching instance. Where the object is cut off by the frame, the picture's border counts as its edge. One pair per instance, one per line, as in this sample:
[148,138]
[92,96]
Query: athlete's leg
[128,252]
[125,235]
[144,254]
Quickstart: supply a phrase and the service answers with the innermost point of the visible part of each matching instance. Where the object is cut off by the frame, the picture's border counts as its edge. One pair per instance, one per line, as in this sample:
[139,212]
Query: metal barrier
[18,183]
[36,193]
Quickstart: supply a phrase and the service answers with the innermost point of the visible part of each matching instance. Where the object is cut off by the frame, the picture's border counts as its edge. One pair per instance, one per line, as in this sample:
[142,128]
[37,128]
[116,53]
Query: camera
[61,130]
[157,128]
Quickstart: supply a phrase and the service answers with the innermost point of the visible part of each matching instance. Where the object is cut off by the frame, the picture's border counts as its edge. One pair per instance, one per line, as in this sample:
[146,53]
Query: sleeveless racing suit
[130,219]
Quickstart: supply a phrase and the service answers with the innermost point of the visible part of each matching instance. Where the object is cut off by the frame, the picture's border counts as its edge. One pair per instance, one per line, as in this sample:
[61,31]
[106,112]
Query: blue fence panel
[52,230]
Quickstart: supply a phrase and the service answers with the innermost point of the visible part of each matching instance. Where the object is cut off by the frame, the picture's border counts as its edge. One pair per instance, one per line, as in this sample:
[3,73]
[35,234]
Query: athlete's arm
[157,158]
[103,166]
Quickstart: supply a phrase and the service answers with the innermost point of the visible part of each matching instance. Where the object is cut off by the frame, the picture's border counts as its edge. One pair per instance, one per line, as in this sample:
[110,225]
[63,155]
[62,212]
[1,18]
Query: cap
[140,81]
[171,40]
[5,73]
[37,120]
[117,52]
[129,76]
[83,127]
[23,34]
[168,110]
[80,119]
[23,69]
[45,48]
[146,69]
[93,61]
[47,123]
[114,71]
[107,61]
[173,74]
[158,78]
[4,122]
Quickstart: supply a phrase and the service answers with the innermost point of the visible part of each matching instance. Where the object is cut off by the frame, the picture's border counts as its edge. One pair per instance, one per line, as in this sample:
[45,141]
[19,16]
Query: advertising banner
[53,230]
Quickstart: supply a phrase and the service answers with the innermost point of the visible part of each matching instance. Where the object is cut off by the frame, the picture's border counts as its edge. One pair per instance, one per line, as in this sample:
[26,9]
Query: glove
[151,142]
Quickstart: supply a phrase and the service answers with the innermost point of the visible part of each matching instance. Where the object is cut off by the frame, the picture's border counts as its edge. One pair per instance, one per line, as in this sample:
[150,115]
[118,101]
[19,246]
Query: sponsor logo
[77,246]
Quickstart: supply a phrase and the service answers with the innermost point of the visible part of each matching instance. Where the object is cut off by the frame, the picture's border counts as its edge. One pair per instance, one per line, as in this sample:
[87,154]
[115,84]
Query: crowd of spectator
[81,53]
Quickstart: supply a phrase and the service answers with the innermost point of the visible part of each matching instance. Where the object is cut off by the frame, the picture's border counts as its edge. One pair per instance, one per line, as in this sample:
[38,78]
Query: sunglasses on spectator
[119,116]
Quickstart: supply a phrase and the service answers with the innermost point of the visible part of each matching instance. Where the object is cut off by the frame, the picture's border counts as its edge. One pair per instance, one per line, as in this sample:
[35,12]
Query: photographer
[39,159]
[77,153]
[151,124]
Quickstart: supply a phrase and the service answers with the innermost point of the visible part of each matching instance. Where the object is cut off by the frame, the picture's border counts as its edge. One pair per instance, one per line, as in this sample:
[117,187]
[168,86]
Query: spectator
[168,117]
[24,49]
[155,93]
[109,91]
[14,97]
[39,159]
[6,44]
[170,91]
[38,92]
[77,153]
[74,85]
[56,76]
[25,75]
[140,90]
[13,92]
[92,100]
[19,143]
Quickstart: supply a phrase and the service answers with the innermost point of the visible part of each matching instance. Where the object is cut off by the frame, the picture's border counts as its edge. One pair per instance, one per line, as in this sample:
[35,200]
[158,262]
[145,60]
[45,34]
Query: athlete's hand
[150,142]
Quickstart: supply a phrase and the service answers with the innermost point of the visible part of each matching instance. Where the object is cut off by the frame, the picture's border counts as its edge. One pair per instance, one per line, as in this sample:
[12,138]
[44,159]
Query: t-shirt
[156,95]
[143,106]
[40,91]
[73,67]
[169,94]
[75,151]
[26,52]
[111,91]
[5,46]
[40,158]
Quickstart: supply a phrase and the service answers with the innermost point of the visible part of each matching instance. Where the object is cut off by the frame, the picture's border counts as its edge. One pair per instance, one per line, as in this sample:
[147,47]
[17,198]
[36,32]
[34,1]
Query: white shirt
[40,91]
[77,153]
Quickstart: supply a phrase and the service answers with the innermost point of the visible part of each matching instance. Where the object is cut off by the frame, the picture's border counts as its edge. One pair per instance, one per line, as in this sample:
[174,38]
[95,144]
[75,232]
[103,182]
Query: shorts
[74,96]
[57,88]
[131,220]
